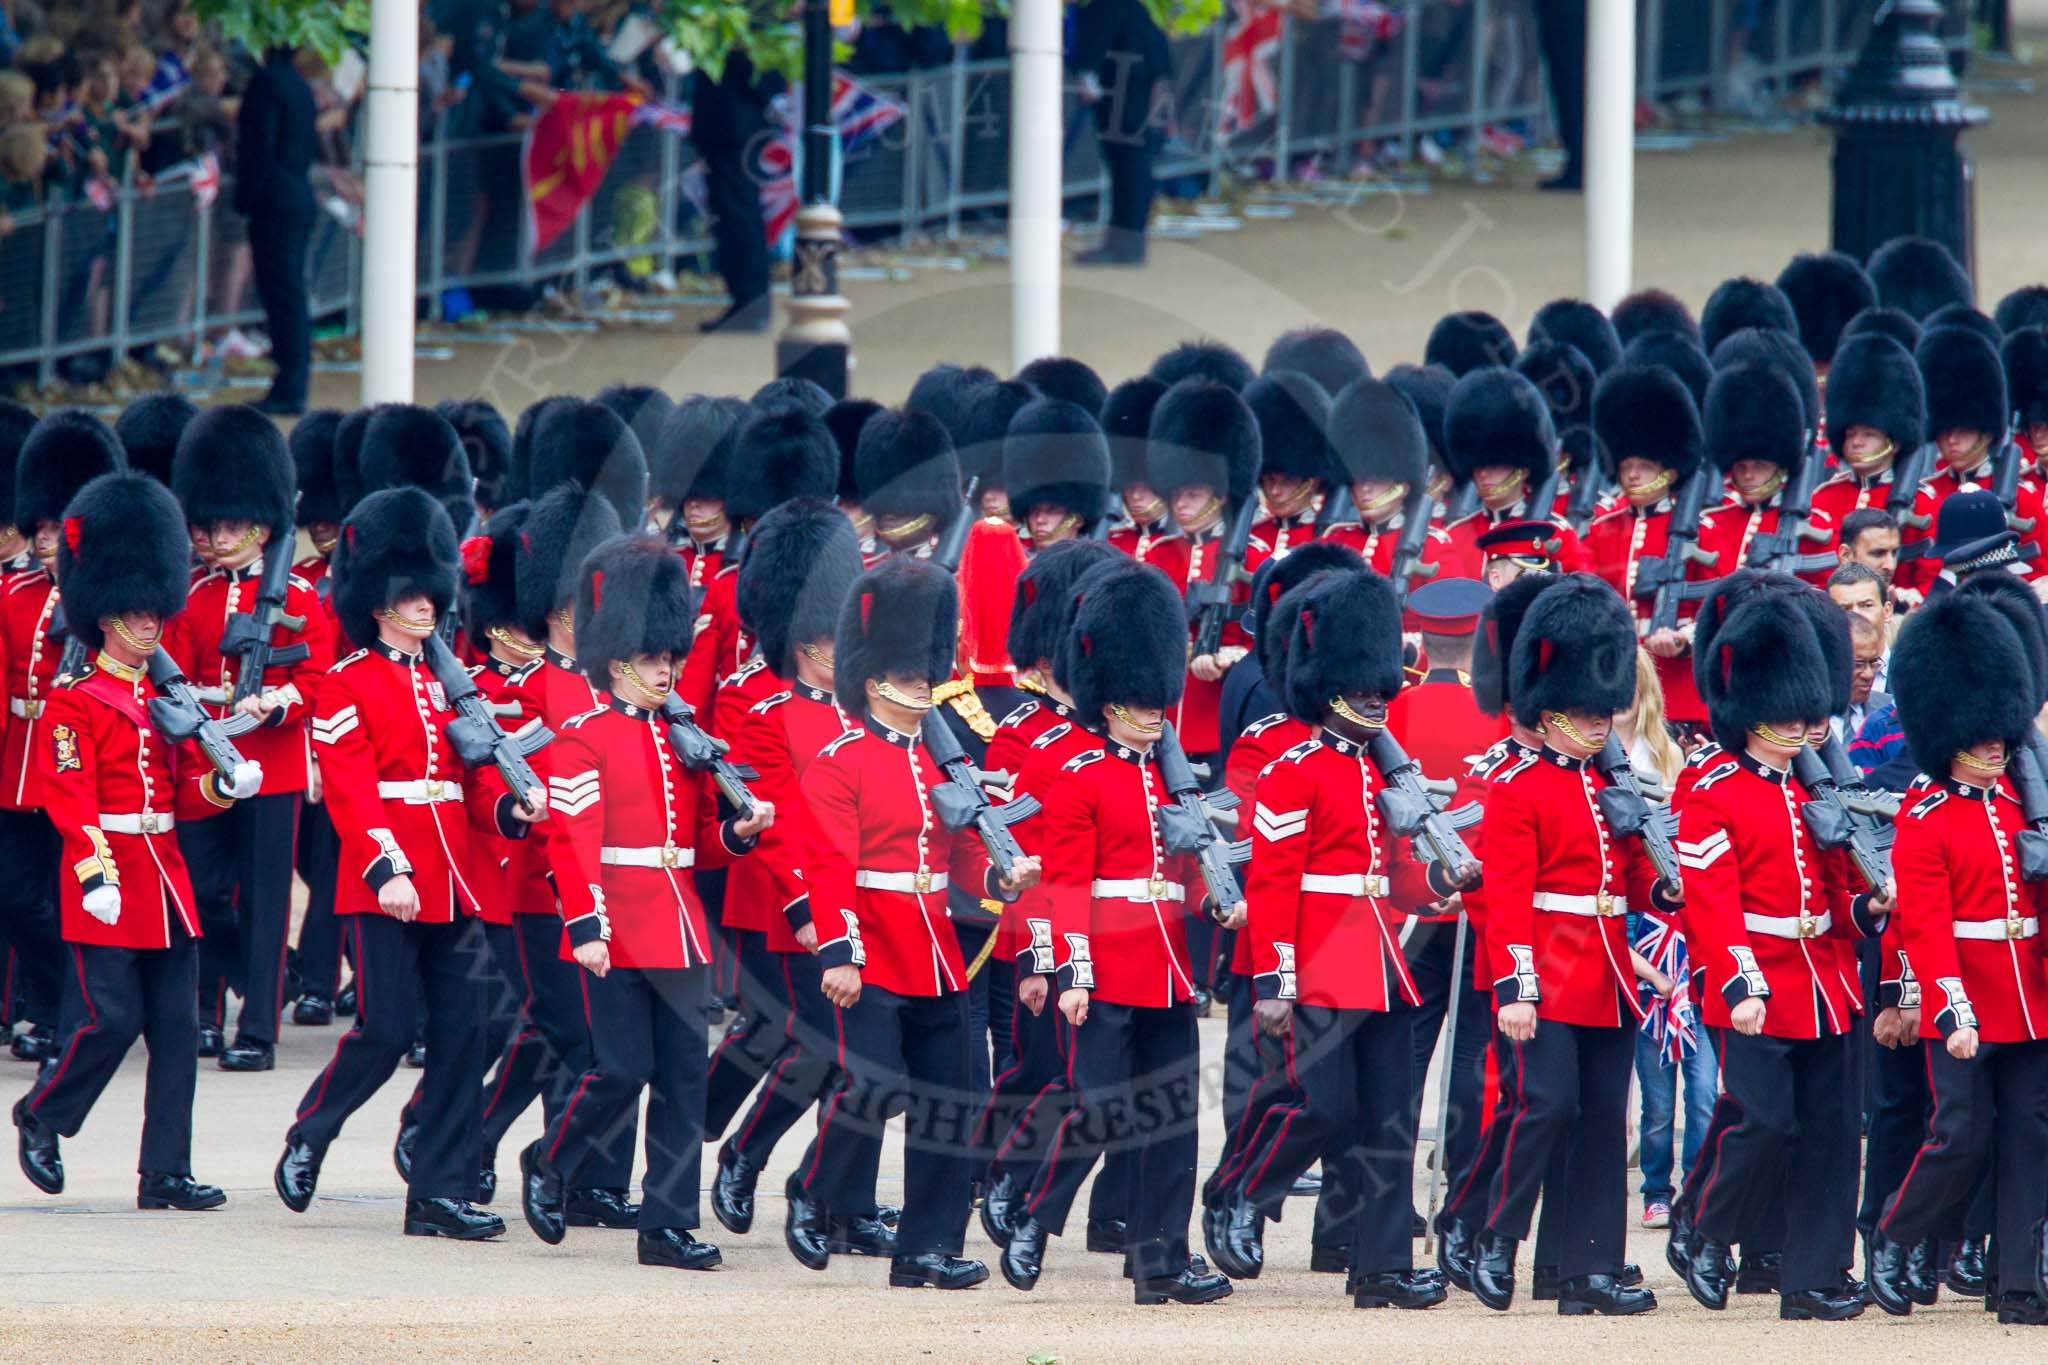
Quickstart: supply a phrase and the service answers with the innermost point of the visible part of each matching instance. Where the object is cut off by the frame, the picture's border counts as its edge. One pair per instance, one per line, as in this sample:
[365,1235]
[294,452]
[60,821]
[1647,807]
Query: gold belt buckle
[1156,887]
[2014,926]
[1808,926]
[31,709]
[148,823]
[1376,886]
[671,856]
[923,883]
[433,789]
[1603,903]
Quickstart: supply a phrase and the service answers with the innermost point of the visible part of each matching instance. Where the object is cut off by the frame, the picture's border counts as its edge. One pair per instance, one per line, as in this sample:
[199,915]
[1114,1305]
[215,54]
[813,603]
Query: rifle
[1778,550]
[475,734]
[71,662]
[1185,826]
[1209,604]
[1462,503]
[1628,811]
[1338,509]
[1662,580]
[953,540]
[2005,482]
[963,803]
[1842,816]
[1908,473]
[1541,500]
[1411,812]
[1407,565]
[704,753]
[250,635]
[178,715]
[1584,502]
[2028,768]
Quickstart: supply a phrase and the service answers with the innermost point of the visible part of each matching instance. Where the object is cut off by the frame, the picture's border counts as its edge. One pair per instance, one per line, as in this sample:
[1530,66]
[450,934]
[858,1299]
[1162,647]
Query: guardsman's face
[1755,480]
[2037,437]
[1643,481]
[144,627]
[1962,448]
[1286,495]
[1499,484]
[324,535]
[235,543]
[1378,499]
[995,502]
[1196,507]
[417,607]
[705,517]
[46,541]
[658,671]
[1050,523]
[1143,502]
[1866,447]
[917,688]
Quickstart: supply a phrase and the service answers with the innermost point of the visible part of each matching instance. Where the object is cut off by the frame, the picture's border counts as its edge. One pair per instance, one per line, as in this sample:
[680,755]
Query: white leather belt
[1345,884]
[1791,926]
[1601,905]
[1998,930]
[24,707]
[1142,889]
[916,883]
[659,856]
[149,822]
[421,792]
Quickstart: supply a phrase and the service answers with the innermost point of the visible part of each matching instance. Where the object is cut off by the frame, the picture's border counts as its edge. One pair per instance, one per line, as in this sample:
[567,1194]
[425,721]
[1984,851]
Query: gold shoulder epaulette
[1028,682]
[961,696]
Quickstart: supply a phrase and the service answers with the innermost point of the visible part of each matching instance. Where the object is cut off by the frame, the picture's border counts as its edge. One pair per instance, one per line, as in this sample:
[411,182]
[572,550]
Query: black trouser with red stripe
[1133,1069]
[112,996]
[900,1054]
[1570,1085]
[803,1069]
[1018,1148]
[1990,1112]
[399,967]
[1430,950]
[250,889]
[1793,1148]
[647,1029]
[753,1044]
[320,930]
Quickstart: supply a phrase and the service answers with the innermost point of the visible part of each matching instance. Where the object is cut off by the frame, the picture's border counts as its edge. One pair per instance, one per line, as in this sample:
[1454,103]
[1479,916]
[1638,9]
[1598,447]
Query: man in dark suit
[1561,29]
[274,142]
[728,116]
[1120,56]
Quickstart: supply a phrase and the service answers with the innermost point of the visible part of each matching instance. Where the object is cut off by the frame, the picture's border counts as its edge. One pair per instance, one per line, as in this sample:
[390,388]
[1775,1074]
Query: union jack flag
[667,117]
[1672,1023]
[859,115]
[1250,86]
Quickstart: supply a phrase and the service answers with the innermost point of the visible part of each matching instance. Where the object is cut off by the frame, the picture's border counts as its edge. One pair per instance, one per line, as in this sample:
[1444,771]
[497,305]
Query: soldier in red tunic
[1121,960]
[1498,436]
[909,478]
[1056,469]
[234,476]
[118,790]
[1966,416]
[1756,435]
[844,420]
[629,821]
[1381,445]
[1295,467]
[1126,422]
[686,479]
[1970,928]
[1876,413]
[877,865]
[2025,355]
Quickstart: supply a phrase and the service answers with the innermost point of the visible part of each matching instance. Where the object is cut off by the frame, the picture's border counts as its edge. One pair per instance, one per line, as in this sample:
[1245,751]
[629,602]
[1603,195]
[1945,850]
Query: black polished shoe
[1493,1271]
[1194,1284]
[180,1192]
[298,1173]
[999,1209]
[889,1215]
[37,1045]
[454,1218]
[1759,1273]
[1678,1246]
[1631,1274]
[1602,1294]
[2022,1309]
[1884,1269]
[1710,1273]
[212,1042]
[595,1208]
[804,1229]
[1239,1247]
[1819,1305]
[313,1011]
[1543,1283]
[1454,1248]
[1024,1258]
[753,316]
[1106,1235]
[41,1159]
[936,1270]
[1397,1289]
[540,1195]
[417,1057]
[249,1054]
[859,1235]
[1965,1272]
[402,1146]
[1308,1185]
[1923,1275]
[732,1191]
[345,1003]
[676,1249]
[1334,1260]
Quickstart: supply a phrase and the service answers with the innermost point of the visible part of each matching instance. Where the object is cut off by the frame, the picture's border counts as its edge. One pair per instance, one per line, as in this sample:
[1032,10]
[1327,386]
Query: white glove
[247,781]
[103,903]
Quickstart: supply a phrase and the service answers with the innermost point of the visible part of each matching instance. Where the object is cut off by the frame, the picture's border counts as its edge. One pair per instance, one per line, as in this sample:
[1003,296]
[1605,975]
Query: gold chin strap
[1069,525]
[1568,730]
[565,617]
[1769,490]
[641,685]
[45,555]
[1885,452]
[889,693]
[703,522]
[1148,731]
[1521,477]
[417,627]
[325,547]
[1653,490]
[1391,496]
[114,625]
[863,524]
[248,539]
[1343,708]
[1200,521]
[909,530]
[515,644]
[816,655]
[1146,513]
[1770,736]
[1976,764]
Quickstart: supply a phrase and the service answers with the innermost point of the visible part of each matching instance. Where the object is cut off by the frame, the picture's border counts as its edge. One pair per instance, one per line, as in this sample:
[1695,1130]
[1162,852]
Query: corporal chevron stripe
[1279,824]
[1705,853]
[573,795]
[330,729]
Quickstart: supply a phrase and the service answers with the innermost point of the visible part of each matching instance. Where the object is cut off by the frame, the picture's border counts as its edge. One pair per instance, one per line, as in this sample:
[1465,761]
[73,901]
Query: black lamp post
[817,343]
[1900,166]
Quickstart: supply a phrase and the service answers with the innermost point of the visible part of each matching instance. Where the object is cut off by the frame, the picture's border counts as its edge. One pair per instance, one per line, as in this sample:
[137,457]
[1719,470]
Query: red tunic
[1187,561]
[1728,531]
[29,657]
[1441,726]
[1258,744]
[720,648]
[1467,560]
[503,685]
[1616,546]
[1845,493]
[1377,541]
[2028,503]
[777,734]
[1275,536]
[1496,762]
[1025,931]
[1137,541]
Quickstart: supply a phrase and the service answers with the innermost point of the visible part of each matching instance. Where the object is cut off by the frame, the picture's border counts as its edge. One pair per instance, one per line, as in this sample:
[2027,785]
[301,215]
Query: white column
[1035,127]
[1610,150]
[391,187]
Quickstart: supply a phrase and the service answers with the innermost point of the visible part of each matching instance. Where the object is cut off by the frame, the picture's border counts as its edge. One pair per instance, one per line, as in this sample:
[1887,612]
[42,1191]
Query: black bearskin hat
[1891,322]
[904,466]
[1275,579]
[1965,382]
[902,616]
[642,407]
[593,445]
[312,447]
[233,465]
[1969,319]
[1376,434]
[776,456]
[149,429]
[1343,639]
[687,457]
[2026,306]
[1753,413]
[2025,356]
[1676,353]
[562,528]
[1293,414]
[1827,622]
[633,596]
[486,440]
[1779,349]
[1043,608]
[62,453]
[1212,362]
[1055,453]
[1575,651]
[1202,433]
[124,548]
[1953,670]
[1918,275]
[844,419]
[990,410]
[1574,322]
[408,446]
[348,456]
[1566,379]
[1058,376]
[2022,611]
[801,560]
[1324,354]
[1464,342]
[1496,417]
[396,542]
[1741,303]
[791,391]
[1765,666]
[1825,289]
[490,573]
[1493,644]
[1647,412]
[1650,311]
[1428,390]
[1874,383]
[1126,422]
[1126,643]
[16,422]
[944,392]
[519,482]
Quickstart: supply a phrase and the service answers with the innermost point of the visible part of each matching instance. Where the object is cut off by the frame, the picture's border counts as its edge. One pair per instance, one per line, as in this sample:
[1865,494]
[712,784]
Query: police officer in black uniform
[274,139]
[1120,56]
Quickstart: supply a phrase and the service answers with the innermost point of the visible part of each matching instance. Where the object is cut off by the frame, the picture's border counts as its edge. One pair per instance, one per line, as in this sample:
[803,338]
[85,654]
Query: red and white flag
[1250,45]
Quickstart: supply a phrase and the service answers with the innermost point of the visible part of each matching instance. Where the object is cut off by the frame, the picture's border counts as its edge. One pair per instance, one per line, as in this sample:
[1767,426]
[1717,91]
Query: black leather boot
[1493,1271]
[1024,1258]
[1603,1294]
[1711,1273]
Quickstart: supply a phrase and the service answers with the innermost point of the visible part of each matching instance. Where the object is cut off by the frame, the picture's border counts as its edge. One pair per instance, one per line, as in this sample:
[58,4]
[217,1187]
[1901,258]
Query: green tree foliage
[326,26]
